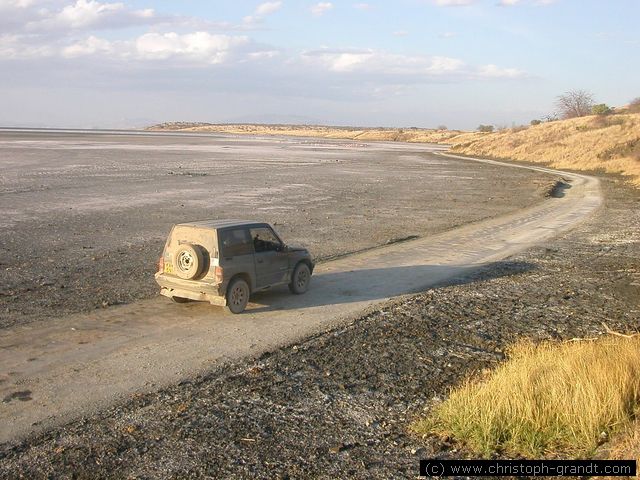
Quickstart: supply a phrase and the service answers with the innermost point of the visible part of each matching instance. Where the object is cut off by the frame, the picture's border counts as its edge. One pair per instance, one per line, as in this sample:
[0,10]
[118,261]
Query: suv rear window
[235,242]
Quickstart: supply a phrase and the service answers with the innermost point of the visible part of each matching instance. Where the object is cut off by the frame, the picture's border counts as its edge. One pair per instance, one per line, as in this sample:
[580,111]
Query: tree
[575,103]
[634,105]
[485,128]
[601,109]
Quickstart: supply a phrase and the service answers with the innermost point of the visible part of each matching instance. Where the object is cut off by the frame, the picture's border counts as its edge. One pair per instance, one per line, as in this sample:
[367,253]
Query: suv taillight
[161,264]
[218,274]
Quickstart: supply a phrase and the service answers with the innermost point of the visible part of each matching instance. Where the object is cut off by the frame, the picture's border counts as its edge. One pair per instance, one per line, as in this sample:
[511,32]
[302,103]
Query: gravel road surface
[338,405]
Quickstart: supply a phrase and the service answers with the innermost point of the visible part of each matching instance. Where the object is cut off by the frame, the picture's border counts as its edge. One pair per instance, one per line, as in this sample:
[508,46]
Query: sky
[402,63]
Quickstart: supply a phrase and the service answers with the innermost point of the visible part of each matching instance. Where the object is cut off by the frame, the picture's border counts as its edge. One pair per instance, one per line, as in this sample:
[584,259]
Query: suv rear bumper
[171,286]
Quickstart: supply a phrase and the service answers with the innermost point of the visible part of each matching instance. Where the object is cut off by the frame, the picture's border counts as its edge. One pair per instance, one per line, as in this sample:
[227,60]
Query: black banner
[529,468]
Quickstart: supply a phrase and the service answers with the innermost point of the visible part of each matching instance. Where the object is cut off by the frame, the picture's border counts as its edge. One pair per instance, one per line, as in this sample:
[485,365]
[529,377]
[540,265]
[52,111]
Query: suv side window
[264,240]
[235,242]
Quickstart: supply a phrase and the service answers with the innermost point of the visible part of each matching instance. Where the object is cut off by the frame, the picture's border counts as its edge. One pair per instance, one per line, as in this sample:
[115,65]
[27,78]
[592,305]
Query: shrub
[485,128]
[634,105]
[601,109]
[536,122]
[442,127]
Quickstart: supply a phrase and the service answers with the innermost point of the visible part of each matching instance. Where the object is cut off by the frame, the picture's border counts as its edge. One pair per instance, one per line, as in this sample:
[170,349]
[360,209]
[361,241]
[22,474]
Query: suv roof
[221,223]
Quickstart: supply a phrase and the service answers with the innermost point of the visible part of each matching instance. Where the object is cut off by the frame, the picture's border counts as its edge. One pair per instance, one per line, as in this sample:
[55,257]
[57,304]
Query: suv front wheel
[300,279]
[237,296]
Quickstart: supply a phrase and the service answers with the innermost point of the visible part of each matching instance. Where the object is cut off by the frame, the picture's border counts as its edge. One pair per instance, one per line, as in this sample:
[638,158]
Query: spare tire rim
[185,261]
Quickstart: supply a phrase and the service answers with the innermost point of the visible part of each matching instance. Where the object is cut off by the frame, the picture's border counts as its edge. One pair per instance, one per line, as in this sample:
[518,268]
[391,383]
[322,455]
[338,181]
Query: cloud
[385,66]
[321,8]
[89,14]
[363,6]
[261,11]
[267,8]
[379,62]
[197,49]
[400,33]
[199,46]
[537,3]
[447,34]
[89,46]
[63,18]
[11,4]
[453,3]
[14,46]
[493,71]
[76,36]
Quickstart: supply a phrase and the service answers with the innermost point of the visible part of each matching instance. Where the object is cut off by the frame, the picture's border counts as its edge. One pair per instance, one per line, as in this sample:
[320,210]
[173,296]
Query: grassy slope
[610,144]
[606,143]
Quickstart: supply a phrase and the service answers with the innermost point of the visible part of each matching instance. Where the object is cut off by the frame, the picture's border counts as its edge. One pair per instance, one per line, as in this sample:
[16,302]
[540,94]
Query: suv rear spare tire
[188,261]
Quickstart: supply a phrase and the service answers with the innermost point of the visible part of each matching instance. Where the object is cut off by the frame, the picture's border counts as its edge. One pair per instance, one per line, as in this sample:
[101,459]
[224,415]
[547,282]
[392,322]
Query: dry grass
[547,399]
[601,143]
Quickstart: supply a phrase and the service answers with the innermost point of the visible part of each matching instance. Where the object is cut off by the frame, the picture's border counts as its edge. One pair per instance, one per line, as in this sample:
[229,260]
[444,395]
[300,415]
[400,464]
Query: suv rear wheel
[300,279]
[237,296]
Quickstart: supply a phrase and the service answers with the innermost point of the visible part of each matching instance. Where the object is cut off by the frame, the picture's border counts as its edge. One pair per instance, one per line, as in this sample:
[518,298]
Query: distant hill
[350,133]
[608,143]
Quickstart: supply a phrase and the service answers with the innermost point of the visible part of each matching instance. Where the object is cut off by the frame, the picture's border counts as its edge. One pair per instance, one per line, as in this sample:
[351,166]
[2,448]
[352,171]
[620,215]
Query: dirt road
[72,366]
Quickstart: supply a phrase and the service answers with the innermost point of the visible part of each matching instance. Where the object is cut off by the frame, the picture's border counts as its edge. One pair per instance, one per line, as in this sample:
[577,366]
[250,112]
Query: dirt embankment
[607,143]
[339,405]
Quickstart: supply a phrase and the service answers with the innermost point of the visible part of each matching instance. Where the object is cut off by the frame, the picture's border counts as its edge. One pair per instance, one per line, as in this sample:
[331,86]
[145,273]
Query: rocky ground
[340,404]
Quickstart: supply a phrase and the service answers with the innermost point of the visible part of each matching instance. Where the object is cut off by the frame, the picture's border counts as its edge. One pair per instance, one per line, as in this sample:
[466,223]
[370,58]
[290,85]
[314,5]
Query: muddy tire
[300,279]
[237,296]
[180,299]
[188,261]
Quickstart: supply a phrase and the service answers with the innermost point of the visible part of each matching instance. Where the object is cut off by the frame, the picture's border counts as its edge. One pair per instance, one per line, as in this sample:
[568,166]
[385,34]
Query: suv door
[272,263]
[236,252]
